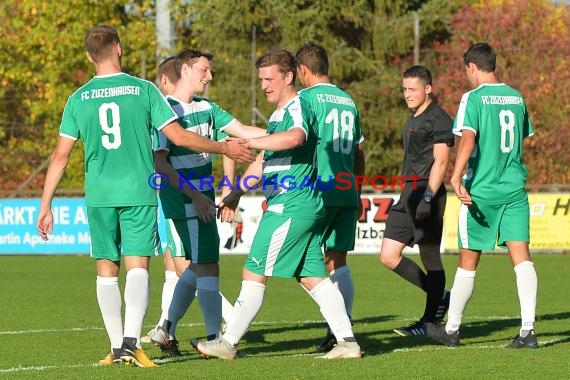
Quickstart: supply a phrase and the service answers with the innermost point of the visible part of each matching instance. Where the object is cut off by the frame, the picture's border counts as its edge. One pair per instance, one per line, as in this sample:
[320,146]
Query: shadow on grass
[485,328]
[385,341]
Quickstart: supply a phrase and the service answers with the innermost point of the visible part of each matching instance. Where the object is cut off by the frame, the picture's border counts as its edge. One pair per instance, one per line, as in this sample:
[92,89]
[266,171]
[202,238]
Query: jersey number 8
[507,120]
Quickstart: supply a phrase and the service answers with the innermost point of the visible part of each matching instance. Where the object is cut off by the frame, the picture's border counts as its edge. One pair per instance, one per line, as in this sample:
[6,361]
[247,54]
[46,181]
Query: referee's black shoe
[416,328]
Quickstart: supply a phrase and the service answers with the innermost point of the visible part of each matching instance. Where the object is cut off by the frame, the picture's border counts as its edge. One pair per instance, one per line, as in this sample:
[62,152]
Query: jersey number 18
[343,127]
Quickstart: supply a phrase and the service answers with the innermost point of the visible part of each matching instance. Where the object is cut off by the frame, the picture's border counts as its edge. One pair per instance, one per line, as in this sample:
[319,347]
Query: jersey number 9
[114,129]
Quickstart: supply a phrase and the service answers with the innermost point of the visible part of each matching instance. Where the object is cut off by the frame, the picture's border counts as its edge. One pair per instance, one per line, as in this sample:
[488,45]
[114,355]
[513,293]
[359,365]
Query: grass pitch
[51,327]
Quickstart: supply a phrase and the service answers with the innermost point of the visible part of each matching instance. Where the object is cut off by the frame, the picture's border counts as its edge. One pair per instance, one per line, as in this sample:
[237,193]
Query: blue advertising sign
[18,234]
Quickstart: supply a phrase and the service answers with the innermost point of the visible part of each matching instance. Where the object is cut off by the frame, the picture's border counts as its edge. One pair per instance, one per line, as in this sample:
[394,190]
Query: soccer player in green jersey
[287,242]
[114,114]
[192,210]
[492,121]
[175,261]
[339,152]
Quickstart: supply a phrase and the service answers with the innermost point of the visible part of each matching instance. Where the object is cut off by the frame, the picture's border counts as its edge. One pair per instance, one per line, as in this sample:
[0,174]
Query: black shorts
[402,224]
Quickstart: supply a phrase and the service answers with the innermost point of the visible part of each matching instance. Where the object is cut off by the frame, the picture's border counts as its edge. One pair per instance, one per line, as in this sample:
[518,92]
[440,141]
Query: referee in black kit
[417,218]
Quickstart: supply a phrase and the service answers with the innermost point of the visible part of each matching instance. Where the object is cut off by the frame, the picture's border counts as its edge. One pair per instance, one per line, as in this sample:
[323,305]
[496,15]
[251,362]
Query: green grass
[51,328]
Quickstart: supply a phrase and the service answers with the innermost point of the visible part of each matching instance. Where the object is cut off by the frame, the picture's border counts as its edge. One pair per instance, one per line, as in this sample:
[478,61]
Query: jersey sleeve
[467,116]
[161,113]
[527,126]
[162,142]
[442,129]
[222,119]
[302,116]
[358,136]
[68,126]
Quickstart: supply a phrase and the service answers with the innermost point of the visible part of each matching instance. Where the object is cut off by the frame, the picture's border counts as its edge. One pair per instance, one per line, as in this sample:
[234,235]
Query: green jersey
[497,114]
[207,119]
[114,116]
[289,176]
[339,131]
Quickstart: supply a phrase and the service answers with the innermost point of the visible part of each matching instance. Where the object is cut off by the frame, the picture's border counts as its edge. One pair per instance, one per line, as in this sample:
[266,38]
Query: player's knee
[389,261]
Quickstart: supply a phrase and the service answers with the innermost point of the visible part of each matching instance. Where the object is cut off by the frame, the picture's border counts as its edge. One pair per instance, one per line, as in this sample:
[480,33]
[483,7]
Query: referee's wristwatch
[428,196]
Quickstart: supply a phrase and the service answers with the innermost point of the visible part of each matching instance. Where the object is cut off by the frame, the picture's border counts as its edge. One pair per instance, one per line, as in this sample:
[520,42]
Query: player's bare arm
[56,169]
[464,150]
[242,131]
[235,149]
[227,214]
[280,141]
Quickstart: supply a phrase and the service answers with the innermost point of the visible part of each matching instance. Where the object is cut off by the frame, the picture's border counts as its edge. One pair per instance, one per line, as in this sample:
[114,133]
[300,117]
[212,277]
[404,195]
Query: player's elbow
[59,158]
[441,161]
[296,139]
[175,133]
[178,138]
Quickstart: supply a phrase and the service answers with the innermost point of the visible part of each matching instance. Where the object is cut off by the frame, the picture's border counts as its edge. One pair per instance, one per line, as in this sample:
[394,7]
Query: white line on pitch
[473,346]
[88,328]
[44,367]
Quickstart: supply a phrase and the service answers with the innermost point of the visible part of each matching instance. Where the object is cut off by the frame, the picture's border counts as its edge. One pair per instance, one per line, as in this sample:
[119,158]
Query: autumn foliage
[42,61]
[532,41]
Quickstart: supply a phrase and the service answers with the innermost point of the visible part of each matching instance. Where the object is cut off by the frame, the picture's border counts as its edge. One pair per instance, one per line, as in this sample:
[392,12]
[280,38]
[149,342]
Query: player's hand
[225,213]
[461,191]
[423,211]
[230,202]
[204,207]
[237,150]
[44,224]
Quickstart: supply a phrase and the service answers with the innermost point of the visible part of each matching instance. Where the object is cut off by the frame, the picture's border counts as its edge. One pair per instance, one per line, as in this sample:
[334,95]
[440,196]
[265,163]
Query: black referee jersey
[433,126]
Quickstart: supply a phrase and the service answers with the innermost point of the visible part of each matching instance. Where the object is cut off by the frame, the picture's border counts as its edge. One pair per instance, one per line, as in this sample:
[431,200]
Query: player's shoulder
[471,97]
[124,79]
[147,87]
[295,103]
[296,107]
[200,103]
[510,90]
[473,92]
[494,93]
[77,93]
[439,112]
[300,104]
[324,88]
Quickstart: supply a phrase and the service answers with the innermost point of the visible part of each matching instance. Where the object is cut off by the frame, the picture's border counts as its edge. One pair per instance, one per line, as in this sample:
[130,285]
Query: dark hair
[189,57]
[482,55]
[420,72]
[314,57]
[168,68]
[282,58]
[99,42]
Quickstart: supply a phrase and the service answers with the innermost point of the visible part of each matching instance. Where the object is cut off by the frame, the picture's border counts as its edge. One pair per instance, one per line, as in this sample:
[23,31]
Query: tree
[43,62]
[369,42]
